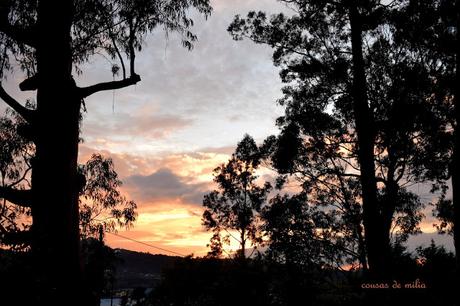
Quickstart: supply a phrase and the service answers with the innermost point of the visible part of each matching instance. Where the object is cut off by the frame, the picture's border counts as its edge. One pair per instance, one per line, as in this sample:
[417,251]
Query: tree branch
[18,197]
[15,237]
[342,174]
[117,51]
[15,105]
[132,54]
[29,83]
[22,178]
[88,91]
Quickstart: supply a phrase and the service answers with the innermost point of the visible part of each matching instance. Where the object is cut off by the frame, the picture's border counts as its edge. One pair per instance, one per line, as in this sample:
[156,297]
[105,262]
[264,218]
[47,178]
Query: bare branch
[18,197]
[15,237]
[29,83]
[15,105]
[87,91]
[117,51]
[132,54]
[22,178]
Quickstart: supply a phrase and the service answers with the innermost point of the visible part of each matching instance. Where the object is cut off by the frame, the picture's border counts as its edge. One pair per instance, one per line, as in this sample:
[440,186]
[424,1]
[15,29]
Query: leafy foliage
[318,144]
[15,164]
[101,203]
[111,26]
[300,234]
[239,200]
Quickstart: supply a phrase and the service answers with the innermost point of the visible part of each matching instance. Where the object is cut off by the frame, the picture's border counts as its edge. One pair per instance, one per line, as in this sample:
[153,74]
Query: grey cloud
[219,150]
[164,184]
[424,239]
[222,87]
[149,126]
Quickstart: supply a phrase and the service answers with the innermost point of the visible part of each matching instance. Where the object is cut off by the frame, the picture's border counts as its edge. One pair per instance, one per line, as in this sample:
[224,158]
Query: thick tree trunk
[456,155]
[54,177]
[374,235]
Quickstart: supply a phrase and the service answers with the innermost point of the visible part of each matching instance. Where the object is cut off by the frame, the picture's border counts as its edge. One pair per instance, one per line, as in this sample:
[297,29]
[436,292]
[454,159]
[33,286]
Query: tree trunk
[243,244]
[361,248]
[54,177]
[391,196]
[388,212]
[456,155]
[374,234]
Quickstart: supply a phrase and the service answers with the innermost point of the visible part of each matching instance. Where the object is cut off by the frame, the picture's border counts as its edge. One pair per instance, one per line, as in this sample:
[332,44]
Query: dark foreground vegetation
[263,282]
[142,279]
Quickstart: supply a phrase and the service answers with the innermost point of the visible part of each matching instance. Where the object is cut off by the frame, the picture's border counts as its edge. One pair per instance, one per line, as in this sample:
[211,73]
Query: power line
[146,244]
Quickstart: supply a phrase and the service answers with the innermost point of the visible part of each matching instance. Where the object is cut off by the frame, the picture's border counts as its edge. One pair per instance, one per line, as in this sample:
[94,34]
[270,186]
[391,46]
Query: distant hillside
[136,269]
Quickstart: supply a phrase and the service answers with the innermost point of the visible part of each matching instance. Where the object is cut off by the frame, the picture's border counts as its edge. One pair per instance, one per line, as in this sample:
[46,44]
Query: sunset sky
[183,119]
[169,132]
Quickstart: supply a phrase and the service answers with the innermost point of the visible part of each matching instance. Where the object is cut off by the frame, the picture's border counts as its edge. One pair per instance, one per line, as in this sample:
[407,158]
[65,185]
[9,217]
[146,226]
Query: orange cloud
[168,190]
[170,226]
[197,166]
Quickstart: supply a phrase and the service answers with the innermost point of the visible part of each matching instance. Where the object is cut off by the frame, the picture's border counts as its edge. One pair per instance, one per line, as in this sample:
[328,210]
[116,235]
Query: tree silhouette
[456,152]
[330,192]
[301,235]
[48,40]
[315,43]
[102,206]
[16,153]
[355,113]
[438,48]
[434,259]
[235,206]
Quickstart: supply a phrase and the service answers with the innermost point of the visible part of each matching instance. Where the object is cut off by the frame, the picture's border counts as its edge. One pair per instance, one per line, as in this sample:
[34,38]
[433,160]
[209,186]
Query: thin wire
[146,244]
[113,97]
[113,101]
